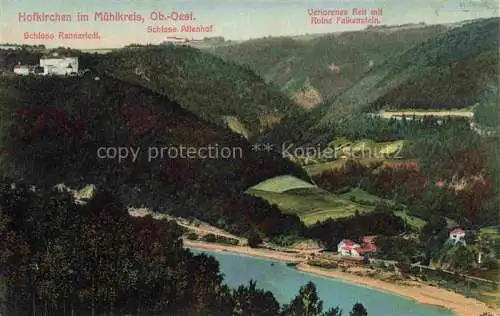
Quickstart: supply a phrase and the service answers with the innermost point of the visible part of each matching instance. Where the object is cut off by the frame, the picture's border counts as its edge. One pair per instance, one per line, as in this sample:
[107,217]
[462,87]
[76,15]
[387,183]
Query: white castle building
[59,65]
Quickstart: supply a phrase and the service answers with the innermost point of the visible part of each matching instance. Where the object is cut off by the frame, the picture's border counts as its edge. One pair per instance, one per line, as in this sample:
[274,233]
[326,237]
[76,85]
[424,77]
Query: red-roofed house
[457,236]
[368,245]
[367,248]
[348,247]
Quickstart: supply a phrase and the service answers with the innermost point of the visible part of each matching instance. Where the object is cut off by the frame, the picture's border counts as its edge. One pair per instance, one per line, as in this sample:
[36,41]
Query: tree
[358,310]
[333,311]
[254,239]
[250,301]
[306,303]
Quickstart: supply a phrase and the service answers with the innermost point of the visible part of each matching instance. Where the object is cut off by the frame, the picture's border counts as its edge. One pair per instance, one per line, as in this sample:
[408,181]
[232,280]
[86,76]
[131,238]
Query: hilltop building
[56,65]
[53,65]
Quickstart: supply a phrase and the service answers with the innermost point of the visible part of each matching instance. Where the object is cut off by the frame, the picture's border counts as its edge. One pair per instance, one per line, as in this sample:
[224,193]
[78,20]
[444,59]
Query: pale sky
[233,19]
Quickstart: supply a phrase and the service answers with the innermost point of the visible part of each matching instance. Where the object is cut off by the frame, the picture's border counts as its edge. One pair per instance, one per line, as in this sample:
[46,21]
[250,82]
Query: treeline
[463,197]
[10,58]
[303,129]
[63,258]
[380,222]
[383,130]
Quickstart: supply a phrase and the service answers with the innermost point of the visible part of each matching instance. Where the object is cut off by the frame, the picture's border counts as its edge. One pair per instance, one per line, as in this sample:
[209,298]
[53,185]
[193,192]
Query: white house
[348,248]
[457,236]
[59,65]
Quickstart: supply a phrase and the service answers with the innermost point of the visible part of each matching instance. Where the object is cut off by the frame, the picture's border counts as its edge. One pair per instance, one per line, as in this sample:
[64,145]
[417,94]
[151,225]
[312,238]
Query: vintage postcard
[249,158]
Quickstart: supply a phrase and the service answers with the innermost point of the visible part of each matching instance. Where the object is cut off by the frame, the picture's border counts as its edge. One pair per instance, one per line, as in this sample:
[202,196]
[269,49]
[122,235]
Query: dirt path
[200,228]
[389,114]
[257,252]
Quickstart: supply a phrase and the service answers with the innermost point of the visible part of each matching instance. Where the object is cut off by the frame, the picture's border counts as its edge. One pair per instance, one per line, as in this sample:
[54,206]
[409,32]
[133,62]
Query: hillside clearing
[312,204]
[281,184]
[318,168]
[234,124]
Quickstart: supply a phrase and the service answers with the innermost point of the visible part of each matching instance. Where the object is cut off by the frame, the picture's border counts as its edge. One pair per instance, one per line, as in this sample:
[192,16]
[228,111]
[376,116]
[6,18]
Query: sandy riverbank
[255,252]
[421,293]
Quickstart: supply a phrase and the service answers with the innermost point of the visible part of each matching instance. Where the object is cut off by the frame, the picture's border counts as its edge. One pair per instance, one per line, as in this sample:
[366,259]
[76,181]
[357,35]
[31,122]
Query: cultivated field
[312,204]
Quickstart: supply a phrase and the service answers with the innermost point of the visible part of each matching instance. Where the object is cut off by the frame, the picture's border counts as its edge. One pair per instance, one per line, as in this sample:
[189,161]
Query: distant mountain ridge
[329,63]
[451,70]
[426,67]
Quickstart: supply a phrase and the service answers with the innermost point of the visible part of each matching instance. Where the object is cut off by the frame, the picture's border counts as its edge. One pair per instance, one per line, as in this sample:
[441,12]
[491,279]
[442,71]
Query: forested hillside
[52,129]
[323,67]
[456,68]
[452,70]
[204,84]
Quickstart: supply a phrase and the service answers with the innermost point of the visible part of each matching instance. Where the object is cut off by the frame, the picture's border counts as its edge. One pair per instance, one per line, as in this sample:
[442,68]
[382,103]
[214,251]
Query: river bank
[422,293]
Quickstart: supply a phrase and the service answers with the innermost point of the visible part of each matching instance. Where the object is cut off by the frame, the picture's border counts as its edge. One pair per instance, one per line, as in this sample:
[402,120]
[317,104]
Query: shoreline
[421,293]
[242,250]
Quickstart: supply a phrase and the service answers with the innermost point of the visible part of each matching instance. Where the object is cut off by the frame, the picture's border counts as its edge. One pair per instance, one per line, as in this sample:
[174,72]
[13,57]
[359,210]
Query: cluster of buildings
[349,248]
[53,65]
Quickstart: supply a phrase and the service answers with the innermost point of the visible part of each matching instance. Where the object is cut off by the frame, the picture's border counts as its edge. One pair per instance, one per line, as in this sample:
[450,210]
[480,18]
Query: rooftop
[457,231]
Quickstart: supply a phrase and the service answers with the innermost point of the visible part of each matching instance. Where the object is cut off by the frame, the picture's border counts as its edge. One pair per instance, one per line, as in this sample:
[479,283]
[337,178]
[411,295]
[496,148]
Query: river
[285,282]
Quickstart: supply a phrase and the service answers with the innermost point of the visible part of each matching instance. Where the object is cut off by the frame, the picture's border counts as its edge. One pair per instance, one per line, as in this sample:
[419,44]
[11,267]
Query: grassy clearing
[391,148]
[412,221]
[492,232]
[372,148]
[318,168]
[312,204]
[236,126]
[360,196]
[281,184]
[410,110]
